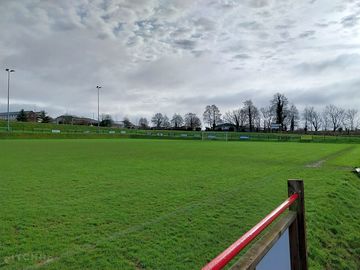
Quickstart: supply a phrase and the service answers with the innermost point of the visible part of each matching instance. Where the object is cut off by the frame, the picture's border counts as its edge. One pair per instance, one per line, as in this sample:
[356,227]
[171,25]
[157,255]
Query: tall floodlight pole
[8,98]
[98,92]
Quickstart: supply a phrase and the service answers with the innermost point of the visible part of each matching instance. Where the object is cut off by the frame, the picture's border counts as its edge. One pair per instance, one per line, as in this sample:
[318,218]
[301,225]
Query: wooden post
[297,230]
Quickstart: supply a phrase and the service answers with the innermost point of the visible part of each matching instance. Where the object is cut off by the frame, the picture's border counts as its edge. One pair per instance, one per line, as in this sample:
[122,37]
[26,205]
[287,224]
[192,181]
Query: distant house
[225,127]
[121,124]
[75,120]
[31,116]
[118,124]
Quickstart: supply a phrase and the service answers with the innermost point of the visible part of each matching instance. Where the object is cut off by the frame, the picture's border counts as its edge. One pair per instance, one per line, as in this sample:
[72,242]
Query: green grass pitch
[158,204]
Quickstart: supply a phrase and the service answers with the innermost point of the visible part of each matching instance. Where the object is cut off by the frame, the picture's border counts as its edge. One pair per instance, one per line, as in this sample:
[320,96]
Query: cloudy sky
[178,55]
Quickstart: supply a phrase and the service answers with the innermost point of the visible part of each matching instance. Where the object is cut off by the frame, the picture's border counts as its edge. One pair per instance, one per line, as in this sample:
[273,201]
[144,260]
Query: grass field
[160,204]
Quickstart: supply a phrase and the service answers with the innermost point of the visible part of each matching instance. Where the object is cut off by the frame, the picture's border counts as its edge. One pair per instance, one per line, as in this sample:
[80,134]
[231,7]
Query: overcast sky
[178,55]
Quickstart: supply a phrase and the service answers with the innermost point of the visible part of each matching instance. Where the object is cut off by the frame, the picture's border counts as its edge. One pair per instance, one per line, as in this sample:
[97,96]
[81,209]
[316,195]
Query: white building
[12,115]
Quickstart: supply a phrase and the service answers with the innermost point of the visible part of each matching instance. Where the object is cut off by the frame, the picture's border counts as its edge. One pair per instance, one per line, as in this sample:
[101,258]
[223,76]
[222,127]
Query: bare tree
[127,123]
[325,120]
[266,117]
[279,108]
[143,123]
[212,116]
[257,121]
[166,122]
[44,118]
[106,121]
[22,117]
[335,116]
[157,120]
[315,118]
[307,119]
[236,117]
[251,112]
[293,117]
[192,121]
[350,119]
[177,121]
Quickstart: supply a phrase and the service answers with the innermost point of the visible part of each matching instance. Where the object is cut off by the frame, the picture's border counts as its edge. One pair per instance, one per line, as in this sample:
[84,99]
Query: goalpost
[214,136]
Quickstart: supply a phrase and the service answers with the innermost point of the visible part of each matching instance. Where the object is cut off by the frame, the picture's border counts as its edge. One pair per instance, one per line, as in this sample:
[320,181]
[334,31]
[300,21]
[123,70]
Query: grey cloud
[307,34]
[286,24]
[205,24]
[351,20]
[160,74]
[335,47]
[234,48]
[264,14]
[147,28]
[253,25]
[285,35]
[257,3]
[263,35]
[242,56]
[118,28]
[185,44]
[153,54]
[345,93]
[282,26]
[339,63]
[180,32]
[147,24]
[197,35]
[225,101]
[83,13]
[132,41]
[322,25]
[105,17]
[199,53]
[224,4]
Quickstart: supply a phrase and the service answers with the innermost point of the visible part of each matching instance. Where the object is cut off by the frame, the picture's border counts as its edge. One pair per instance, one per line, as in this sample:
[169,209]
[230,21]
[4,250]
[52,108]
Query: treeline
[189,121]
[279,115]
[31,116]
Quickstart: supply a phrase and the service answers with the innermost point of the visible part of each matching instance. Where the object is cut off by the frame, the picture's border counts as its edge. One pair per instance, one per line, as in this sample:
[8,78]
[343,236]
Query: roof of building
[16,113]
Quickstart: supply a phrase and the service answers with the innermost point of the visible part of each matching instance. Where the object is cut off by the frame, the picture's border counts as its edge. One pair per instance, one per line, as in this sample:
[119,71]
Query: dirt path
[319,163]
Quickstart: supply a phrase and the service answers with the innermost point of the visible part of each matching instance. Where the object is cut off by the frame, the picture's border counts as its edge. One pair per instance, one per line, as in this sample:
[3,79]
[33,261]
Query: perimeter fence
[83,132]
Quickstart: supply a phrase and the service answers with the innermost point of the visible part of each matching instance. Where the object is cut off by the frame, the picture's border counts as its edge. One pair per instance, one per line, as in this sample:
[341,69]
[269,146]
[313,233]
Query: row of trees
[31,116]
[284,116]
[279,114]
[190,121]
[248,116]
[331,118]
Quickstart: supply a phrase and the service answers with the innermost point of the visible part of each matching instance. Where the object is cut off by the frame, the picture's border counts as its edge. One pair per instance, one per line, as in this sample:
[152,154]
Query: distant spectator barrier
[83,131]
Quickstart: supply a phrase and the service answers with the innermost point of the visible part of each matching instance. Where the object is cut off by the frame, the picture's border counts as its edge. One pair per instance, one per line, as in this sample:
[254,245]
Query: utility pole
[8,98]
[98,92]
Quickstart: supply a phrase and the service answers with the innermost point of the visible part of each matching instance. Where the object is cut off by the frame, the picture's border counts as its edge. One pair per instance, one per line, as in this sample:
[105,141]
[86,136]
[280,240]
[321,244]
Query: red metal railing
[227,255]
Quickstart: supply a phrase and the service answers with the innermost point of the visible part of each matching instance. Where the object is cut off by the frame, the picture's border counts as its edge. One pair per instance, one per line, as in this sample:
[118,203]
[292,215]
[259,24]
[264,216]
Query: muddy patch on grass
[319,163]
[316,164]
[47,261]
